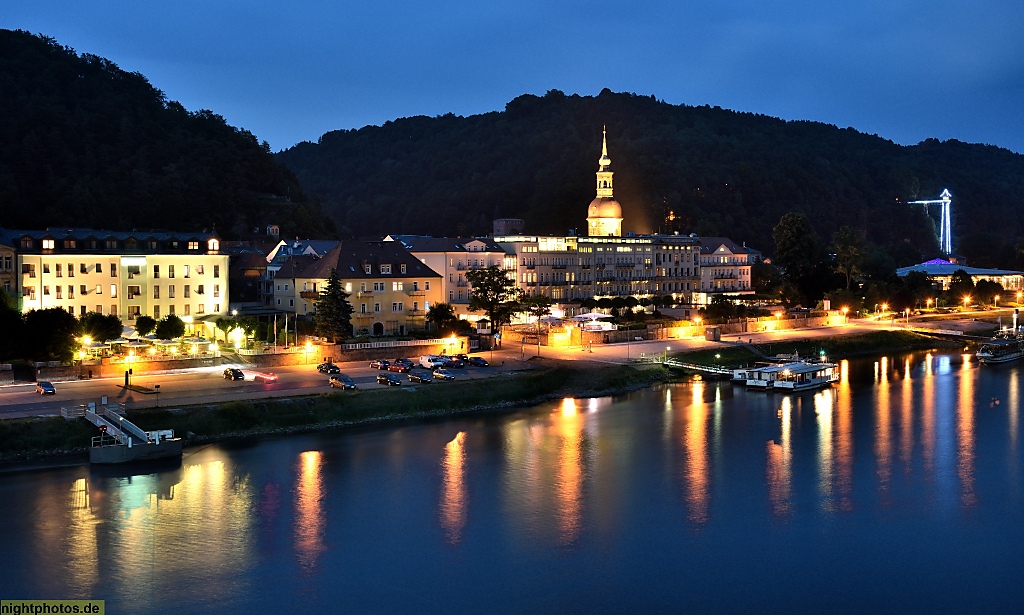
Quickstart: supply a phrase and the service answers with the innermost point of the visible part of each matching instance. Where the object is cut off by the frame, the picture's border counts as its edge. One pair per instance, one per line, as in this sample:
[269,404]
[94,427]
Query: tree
[800,254]
[52,333]
[101,327]
[170,327]
[848,249]
[495,293]
[537,306]
[225,325]
[13,326]
[249,325]
[960,285]
[144,325]
[442,315]
[333,315]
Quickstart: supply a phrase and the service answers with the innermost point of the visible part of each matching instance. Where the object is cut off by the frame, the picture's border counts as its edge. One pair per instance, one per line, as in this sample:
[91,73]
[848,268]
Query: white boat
[794,376]
[1001,350]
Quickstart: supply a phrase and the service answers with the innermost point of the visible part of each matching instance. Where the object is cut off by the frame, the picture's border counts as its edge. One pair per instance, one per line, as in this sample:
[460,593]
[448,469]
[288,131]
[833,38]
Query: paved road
[207,385]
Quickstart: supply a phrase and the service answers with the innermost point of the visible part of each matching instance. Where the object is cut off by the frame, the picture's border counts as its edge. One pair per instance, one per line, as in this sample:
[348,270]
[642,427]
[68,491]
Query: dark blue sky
[290,71]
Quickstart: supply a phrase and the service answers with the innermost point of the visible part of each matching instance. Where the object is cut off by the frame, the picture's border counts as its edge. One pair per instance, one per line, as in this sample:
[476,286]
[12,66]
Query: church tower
[604,216]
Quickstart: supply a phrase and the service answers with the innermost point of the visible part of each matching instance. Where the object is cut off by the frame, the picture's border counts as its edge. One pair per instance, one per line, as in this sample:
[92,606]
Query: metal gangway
[113,425]
[706,369]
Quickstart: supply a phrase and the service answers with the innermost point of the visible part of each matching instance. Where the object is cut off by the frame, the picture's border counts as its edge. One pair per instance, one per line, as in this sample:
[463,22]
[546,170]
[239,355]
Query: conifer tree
[333,316]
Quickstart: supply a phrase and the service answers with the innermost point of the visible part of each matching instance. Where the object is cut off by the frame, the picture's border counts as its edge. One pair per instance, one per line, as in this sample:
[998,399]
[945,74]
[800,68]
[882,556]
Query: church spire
[605,161]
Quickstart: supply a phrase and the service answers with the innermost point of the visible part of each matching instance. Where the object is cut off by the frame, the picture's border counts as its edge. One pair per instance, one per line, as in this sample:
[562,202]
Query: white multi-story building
[724,268]
[122,274]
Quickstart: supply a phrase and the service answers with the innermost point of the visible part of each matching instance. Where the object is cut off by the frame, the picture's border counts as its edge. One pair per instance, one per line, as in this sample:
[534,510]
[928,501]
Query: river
[898,489]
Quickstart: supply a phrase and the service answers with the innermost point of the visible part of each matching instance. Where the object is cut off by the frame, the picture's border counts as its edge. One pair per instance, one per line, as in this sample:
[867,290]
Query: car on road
[454,363]
[420,378]
[443,374]
[403,361]
[395,367]
[232,373]
[478,362]
[430,361]
[388,380]
[264,377]
[328,368]
[45,388]
[341,381]
[380,364]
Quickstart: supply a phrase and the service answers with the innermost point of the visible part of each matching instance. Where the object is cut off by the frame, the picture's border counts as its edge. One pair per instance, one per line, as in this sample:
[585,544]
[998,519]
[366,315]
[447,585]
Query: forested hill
[85,143]
[720,172]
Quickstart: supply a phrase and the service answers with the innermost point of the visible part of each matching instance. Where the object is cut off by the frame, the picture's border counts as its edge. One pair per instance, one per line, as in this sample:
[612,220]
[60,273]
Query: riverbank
[57,440]
[31,440]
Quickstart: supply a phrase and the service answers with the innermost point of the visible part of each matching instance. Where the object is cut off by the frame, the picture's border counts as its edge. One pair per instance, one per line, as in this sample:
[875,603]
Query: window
[71,270]
[134,270]
[170,292]
[99,309]
[397,307]
[216,271]
[82,290]
[47,244]
[29,291]
[367,269]
[170,309]
[46,268]
[188,309]
[99,290]
[113,310]
[426,285]
[99,267]
[362,308]
[199,289]
[193,245]
[156,292]
[212,245]
[113,291]
[82,268]
[170,271]
[199,270]
[216,291]
[134,312]
[134,291]
[113,270]
[216,307]
[348,287]
[376,307]
[188,292]
[81,310]
[397,285]
[26,243]
[378,286]
[70,244]
[185,267]
[156,272]
[201,308]
[111,244]
[60,292]
[156,312]
[60,270]
[151,244]
[362,287]
[403,268]
[46,291]
[415,306]
[71,291]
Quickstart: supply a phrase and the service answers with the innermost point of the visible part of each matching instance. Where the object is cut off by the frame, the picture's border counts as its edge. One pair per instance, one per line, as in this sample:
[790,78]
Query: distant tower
[604,216]
[945,222]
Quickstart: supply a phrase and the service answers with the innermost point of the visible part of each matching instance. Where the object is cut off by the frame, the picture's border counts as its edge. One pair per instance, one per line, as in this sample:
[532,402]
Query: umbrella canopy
[550,319]
[591,316]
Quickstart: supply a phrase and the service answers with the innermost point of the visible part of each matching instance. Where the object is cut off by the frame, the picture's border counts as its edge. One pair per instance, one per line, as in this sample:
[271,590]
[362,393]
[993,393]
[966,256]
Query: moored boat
[1001,350]
[794,376]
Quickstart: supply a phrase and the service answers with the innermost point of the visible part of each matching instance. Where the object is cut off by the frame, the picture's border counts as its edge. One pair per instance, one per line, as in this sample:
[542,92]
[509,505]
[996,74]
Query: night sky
[290,71]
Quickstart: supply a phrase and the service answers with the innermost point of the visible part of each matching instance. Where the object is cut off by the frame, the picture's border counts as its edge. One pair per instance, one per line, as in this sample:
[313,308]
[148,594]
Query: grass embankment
[835,347]
[34,438]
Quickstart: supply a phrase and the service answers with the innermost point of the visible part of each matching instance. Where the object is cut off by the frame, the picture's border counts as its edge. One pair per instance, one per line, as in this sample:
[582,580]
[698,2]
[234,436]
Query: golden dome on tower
[604,207]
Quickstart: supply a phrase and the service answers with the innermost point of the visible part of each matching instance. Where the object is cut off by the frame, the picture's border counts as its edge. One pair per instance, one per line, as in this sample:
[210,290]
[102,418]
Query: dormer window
[26,243]
[70,244]
[48,244]
[193,245]
[385,269]
[403,268]
[368,269]
[213,245]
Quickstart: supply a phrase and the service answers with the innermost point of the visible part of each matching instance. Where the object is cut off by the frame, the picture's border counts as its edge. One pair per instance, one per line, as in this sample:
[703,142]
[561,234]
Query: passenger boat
[794,376]
[1001,350]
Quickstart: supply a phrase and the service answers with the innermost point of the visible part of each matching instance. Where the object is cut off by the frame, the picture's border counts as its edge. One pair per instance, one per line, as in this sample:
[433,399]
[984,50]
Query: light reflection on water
[600,486]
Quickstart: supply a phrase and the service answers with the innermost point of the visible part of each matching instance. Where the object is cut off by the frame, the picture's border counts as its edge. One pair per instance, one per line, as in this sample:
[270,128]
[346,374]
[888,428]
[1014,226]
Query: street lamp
[846,318]
[717,357]
[885,308]
[967,299]
[309,347]
[1019,295]
[667,349]
[995,301]
[928,303]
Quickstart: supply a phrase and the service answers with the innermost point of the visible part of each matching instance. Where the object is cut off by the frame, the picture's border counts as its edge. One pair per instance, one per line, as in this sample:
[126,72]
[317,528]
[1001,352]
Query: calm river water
[900,489]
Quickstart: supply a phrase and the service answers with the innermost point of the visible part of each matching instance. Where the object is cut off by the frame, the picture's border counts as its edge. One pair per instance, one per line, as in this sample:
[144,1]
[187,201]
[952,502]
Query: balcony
[462,284]
[460,267]
[415,293]
[309,295]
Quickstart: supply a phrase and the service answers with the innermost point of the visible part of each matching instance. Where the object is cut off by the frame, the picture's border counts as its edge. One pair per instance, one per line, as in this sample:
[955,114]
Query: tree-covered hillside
[718,171]
[84,143]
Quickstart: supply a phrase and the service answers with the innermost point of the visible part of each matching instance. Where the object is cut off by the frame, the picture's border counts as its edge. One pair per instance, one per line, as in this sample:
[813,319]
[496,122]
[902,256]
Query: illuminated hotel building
[125,274]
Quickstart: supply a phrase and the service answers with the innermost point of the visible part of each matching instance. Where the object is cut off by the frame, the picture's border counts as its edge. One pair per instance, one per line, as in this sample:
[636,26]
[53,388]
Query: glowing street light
[967,299]
[309,346]
[995,301]
[928,303]
[1020,294]
[846,312]
[885,307]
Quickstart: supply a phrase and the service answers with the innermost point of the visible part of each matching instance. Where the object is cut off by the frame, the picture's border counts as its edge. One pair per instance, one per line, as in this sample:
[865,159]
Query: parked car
[395,367]
[478,362]
[443,374]
[454,363]
[462,357]
[430,361]
[328,368]
[388,380]
[380,364]
[341,381]
[45,388]
[232,373]
[420,378]
[403,361]
[264,377]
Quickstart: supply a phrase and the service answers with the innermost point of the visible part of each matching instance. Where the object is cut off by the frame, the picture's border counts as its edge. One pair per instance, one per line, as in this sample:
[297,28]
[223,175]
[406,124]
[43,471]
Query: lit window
[193,245]
[213,245]
[47,244]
